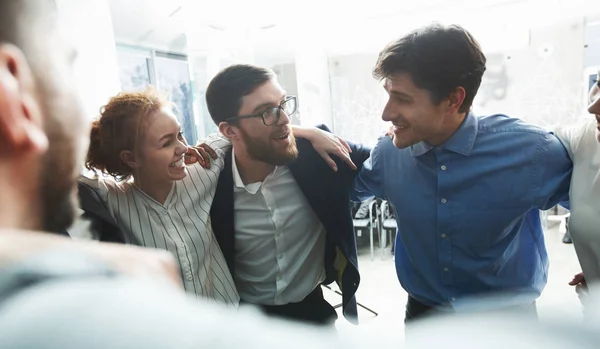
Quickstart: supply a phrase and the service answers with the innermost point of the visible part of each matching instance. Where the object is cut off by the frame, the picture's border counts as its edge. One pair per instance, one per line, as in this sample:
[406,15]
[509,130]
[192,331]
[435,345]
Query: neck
[159,191]
[20,207]
[251,171]
[447,130]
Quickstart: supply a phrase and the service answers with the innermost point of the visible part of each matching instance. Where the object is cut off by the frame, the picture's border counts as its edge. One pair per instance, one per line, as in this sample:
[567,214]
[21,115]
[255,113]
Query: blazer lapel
[221,213]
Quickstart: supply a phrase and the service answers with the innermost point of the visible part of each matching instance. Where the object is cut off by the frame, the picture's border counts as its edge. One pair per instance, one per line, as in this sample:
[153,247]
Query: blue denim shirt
[468,210]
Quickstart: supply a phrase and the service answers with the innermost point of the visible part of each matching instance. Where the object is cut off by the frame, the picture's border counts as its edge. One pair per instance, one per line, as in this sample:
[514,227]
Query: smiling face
[274,144]
[160,155]
[413,115]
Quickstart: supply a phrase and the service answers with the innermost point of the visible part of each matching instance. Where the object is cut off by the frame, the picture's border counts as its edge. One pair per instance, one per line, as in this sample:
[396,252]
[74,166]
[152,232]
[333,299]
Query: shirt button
[444,236]
[453,299]
[444,200]
[443,167]
[280,256]
[278,277]
[446,269]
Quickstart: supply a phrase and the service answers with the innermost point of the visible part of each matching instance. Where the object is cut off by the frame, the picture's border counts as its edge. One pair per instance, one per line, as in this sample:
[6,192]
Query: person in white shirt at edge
[582,143]
[155,199]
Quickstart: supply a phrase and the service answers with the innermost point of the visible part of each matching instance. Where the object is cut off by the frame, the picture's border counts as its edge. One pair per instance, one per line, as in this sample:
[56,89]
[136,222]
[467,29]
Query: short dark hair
[225,91]
[438,58]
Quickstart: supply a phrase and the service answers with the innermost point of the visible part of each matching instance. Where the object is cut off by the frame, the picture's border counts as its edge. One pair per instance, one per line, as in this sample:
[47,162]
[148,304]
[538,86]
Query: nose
[387,114]
[594,107]
[284,119]
[181,147]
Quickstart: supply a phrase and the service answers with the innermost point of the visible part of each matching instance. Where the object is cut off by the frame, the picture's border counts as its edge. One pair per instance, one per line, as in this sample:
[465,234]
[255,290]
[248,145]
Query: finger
[577,279]
[205,157]
[329,161]
[190,159]
[209,150]
[196,155]
[348,160]
[345,144]
[190,156]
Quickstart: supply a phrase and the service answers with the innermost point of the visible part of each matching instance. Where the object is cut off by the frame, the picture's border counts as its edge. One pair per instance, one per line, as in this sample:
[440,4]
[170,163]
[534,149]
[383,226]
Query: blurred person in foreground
[43,140]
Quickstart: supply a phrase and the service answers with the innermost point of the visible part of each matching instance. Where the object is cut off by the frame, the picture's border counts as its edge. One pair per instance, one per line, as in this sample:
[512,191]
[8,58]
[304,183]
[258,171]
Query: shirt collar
[237,179]
[461,142]
[251,188]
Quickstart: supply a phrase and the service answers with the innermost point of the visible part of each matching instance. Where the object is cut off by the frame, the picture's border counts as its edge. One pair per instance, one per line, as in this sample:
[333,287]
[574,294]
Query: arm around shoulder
[552,172]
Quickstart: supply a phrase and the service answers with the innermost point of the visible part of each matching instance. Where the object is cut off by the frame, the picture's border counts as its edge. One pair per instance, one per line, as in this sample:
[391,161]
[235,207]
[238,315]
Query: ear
[21,126]
[129,158]
[228,130]
[456,99]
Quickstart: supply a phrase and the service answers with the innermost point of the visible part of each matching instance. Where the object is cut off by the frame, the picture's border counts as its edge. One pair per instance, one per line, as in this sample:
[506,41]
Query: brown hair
[120,128]
[225,91]
[438,58]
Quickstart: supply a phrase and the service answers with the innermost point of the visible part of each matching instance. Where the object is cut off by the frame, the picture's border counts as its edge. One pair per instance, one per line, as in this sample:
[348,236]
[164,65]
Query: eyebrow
[168,135]
[269,104]
[400,94]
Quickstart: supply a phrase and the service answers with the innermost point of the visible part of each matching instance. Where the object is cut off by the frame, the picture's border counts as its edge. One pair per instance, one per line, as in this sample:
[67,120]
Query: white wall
[541,83]
[87,24]
[357,99]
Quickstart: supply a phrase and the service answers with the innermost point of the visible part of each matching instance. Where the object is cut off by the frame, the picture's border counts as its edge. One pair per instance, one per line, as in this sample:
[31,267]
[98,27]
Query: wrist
[308,133]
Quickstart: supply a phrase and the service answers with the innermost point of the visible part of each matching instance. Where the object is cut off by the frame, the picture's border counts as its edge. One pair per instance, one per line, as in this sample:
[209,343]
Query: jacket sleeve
[360,153]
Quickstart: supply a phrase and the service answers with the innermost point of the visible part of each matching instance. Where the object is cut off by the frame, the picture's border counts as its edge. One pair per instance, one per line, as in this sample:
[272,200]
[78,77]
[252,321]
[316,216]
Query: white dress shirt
[584,223]
[279,240]
[181,225]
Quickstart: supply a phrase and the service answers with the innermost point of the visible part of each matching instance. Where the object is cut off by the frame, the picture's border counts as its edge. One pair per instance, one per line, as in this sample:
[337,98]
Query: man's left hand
[201,154]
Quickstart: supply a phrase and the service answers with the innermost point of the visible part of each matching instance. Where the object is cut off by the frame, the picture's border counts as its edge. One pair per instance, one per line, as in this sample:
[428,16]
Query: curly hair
[120,127]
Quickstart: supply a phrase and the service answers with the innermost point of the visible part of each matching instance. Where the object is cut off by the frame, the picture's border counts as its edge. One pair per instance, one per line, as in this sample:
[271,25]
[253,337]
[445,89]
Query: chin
[401,145]
[179,175]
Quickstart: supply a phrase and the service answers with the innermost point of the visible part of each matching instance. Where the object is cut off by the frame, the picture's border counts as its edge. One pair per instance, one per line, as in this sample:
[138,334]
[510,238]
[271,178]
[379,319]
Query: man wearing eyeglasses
[280,214]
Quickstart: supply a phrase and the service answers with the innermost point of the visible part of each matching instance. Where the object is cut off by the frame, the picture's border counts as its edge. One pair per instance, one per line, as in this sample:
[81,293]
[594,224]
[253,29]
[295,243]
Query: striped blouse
[181,225]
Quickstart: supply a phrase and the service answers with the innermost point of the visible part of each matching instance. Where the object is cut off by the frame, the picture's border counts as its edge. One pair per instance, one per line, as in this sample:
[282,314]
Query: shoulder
[575,134]
[197,172]
[103,184]
[500,123]
[385,148]
[513,134]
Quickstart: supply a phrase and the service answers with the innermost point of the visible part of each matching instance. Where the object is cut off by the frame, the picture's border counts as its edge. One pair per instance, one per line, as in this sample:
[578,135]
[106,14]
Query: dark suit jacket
[328,193]
[102,224]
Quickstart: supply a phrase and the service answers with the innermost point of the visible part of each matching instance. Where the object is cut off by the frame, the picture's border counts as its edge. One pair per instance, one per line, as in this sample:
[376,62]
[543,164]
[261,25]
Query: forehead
[161,122]
[270,92]
[402,83]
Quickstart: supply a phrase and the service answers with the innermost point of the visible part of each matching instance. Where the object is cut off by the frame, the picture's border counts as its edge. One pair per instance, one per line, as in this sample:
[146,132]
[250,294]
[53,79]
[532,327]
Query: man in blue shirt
[466,189]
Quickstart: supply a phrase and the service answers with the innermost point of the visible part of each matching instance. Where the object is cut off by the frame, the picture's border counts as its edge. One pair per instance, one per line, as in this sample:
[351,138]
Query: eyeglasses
[272,115]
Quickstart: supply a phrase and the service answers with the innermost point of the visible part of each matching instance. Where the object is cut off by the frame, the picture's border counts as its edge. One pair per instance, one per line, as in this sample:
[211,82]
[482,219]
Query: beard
[262,150]
[58,185]
[67,144]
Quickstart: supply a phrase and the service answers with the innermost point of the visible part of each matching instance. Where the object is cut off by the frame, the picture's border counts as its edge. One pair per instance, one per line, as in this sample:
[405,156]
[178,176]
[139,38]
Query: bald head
[19,18]
[43,134]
